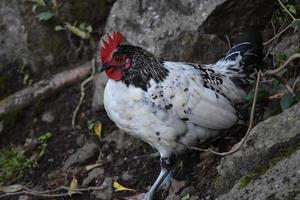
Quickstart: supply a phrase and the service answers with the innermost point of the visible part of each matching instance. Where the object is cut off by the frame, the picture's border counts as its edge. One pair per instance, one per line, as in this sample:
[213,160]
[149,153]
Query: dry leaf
[11,188]
[73,186]
[98,129]
[118,187]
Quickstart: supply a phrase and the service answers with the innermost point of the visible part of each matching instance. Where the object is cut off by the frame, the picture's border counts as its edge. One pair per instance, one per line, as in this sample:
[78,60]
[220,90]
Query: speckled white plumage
[179,108]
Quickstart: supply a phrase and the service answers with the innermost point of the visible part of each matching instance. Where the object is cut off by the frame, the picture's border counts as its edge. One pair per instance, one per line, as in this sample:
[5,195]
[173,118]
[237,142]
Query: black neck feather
[144,67]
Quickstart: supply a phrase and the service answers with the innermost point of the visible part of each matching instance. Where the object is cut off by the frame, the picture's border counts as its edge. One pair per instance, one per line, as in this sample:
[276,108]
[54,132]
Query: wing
[186,94]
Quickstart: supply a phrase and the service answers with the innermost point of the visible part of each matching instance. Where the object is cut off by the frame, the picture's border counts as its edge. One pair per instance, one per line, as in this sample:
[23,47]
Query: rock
[286,45]
[120,138]
[82,155]
[234,16]
[106,193]
[99,86]
[168,29]
[270,140]
[96,173]
[48,117]
[280,182]
[173,197]
[126,176]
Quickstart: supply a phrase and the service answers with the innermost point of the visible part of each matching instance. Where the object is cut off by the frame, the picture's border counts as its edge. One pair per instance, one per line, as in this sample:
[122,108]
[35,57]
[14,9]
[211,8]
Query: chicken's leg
[164,178]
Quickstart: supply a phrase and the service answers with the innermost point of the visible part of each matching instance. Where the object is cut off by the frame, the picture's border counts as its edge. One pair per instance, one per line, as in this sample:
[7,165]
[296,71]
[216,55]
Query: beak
[103,67]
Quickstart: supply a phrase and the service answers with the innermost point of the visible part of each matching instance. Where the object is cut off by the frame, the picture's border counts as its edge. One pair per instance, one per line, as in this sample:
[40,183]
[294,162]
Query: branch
[286,10]
[43,88]
[48,193]
[238,145]
[287,27]
[285,64]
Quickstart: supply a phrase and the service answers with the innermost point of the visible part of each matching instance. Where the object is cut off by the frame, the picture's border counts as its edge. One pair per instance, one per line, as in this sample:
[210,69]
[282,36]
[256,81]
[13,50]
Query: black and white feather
[163,102]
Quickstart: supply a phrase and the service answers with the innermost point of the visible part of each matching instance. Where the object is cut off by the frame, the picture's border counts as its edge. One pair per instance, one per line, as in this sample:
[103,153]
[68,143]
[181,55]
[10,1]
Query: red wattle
[114,73]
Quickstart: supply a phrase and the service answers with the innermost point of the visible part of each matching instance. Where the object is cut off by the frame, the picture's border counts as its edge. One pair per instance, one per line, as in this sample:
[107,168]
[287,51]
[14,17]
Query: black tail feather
[249,46]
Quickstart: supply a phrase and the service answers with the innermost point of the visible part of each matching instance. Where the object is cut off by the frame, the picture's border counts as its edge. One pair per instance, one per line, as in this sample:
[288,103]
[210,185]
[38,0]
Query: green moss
[262,169]
[291,195]
[12,164]
[216,183]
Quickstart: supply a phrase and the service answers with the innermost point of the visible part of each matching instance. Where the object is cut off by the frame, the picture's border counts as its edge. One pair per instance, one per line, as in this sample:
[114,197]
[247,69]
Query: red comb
[108,46]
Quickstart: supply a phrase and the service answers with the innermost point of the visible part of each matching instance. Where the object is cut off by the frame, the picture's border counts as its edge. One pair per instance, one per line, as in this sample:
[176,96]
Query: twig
[295,83]
[278,34]
[287,27]
[286,10]
[238,145]
[82,93]
[228,41]
[47,193]
[285,64]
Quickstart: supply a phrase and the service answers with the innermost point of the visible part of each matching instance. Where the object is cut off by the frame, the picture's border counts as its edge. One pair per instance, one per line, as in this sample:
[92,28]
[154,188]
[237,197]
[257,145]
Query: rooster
[172,105]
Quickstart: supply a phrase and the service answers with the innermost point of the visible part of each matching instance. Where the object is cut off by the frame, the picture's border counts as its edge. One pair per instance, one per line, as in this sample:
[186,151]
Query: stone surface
[168,29]
[268,139]
[48,117]
[106,193]
[96,173]
[120,139]
[234,16]
[280,182]
[82,155]
[99,86]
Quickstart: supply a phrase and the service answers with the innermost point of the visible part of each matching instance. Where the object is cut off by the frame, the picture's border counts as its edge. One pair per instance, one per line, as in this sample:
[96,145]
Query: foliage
[14,160]
[13,163]
[46,12]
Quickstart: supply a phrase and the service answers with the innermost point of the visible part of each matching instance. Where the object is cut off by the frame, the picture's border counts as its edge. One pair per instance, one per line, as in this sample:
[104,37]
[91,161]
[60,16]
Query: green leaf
[286,101]
[291,8]
[59,28]
[44,138]
[275,84]
[186,197]
[261,94]
[44,16]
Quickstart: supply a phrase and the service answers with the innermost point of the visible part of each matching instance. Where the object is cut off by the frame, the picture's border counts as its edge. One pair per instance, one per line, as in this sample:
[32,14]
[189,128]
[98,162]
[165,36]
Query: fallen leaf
[98,129]
[73,186]
[186,197]
[11,188]
[118,187]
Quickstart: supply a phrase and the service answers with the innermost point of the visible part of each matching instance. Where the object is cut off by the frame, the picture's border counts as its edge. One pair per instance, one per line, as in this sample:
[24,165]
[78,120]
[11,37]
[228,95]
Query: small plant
[13,163]
[45,12]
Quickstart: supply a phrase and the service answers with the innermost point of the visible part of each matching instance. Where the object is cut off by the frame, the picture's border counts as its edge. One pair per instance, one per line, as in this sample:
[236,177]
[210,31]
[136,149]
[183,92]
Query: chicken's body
[171,105]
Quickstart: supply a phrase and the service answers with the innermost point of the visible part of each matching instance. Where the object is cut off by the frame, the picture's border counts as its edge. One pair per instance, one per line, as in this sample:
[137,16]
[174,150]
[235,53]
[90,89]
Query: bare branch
[43,89]
[49,193]
[286,10]
[285,64]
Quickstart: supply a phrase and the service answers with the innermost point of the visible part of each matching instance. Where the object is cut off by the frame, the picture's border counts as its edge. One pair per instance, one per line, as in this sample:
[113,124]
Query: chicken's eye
[118,58]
